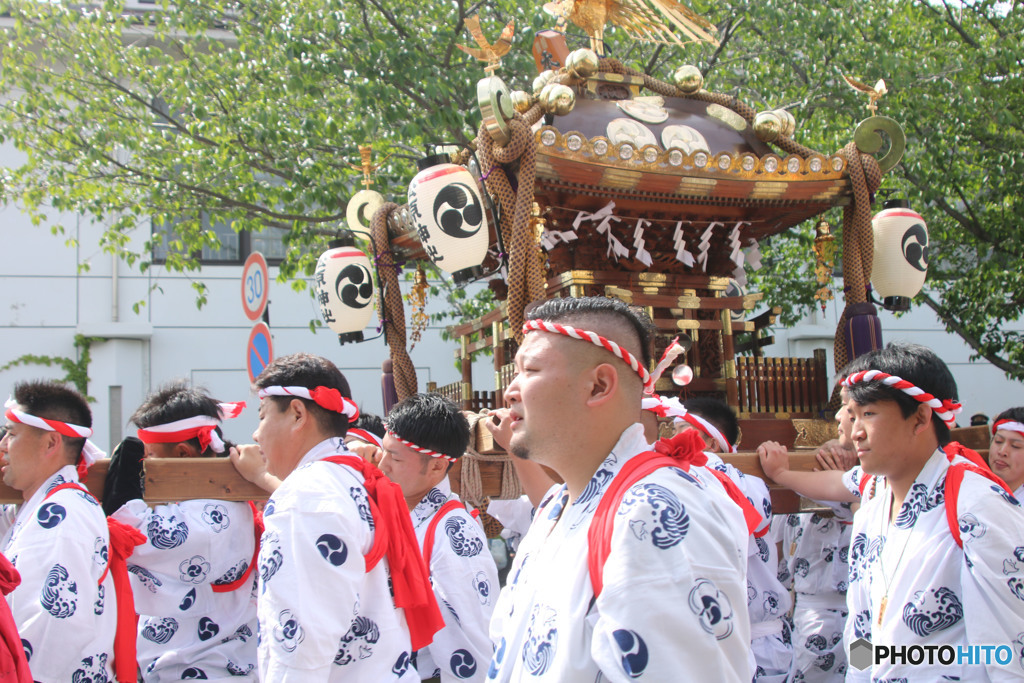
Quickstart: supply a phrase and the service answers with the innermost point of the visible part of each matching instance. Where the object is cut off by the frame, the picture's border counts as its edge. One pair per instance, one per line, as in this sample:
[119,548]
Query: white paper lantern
[448,212]
[344,290]
[901,254]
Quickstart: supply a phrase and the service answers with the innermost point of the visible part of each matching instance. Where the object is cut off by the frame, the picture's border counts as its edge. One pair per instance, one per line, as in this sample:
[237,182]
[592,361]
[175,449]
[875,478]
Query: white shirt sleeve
[310,564]
[61,556]
[465,582]
[992,582]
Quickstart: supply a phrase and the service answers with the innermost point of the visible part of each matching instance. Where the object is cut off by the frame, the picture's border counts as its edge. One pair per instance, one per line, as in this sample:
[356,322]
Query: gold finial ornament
[543,79]
[557,99]
[655,21]
[768,126]
[495,102]
[688,79]
[582,63]
[874,94]
[364,204]
[491,54]
[522,101]
[788,122]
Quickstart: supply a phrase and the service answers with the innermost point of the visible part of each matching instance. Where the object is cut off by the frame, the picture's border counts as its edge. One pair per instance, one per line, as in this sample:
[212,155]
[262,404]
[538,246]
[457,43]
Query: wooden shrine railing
[794,387]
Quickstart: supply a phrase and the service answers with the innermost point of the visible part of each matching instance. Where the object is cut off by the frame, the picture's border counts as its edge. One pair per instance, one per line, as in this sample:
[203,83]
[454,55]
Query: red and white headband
[420,449]
[673,407]
[597,340]
[90,452]
[1009,426]
[366,437]
[202,427]
[325,397]
[672,351]
[945,409]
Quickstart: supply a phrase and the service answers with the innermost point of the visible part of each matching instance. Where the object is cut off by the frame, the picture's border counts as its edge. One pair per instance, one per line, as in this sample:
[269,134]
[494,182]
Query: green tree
[251,112]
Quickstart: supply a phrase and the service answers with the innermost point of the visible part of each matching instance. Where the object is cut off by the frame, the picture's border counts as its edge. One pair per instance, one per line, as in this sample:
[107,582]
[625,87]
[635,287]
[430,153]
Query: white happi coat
[817,548]
[768,602]
[186,629]
[465,581]
[322,616]
[65,617]
[938,594]
[674,586]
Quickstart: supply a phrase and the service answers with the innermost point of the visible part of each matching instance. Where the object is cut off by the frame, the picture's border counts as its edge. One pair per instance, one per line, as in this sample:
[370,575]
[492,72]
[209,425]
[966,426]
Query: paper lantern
[344,290]
[448,213]
[901,254]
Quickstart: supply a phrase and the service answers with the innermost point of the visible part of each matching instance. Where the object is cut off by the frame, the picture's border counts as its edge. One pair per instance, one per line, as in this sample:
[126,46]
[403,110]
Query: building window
[235,247]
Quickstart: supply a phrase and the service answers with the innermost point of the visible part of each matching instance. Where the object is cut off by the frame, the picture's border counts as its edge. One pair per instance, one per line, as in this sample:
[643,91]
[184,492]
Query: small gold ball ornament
[522,101]
[767,126]
[543,79]
[557,99]
[788,122]
[582,63]
[688,79]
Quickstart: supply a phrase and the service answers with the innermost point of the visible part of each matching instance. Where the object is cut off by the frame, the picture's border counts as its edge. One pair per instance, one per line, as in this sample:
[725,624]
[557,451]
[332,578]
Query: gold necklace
[906,542]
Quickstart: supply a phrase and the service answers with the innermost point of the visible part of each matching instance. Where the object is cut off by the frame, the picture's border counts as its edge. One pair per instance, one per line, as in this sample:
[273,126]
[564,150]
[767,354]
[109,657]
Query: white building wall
[49,298]
[983,387]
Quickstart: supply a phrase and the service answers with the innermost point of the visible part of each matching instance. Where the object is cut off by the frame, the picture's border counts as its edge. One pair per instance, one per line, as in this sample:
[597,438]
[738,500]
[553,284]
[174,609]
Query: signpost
[259,351]
[255,287]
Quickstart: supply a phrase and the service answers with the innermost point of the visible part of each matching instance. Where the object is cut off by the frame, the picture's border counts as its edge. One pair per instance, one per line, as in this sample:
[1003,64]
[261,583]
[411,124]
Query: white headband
[325,397]
[202,427]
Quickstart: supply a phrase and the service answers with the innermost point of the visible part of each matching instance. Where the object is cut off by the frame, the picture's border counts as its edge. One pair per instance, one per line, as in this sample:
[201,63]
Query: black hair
[309,371]
[177,400]
[569,308]
[370,423]
[914,363]
[430,421]
[55,401]
[717,413]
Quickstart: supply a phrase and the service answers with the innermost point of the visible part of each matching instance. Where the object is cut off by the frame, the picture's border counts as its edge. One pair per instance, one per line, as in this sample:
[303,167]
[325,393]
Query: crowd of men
[644,557]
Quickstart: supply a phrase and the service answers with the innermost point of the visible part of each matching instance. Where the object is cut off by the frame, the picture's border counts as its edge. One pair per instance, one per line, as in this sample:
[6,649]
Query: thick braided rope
[945,409]
[596,340]
[525,280]
[420,449]
[389,303]
[1009,426]
[472,482]
[728,101]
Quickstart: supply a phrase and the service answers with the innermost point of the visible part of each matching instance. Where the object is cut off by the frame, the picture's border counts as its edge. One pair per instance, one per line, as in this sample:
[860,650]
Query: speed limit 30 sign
[255,282]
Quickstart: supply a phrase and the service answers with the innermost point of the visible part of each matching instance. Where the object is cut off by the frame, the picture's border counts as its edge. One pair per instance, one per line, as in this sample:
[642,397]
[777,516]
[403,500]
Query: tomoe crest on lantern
[344,291]
[448,211]
[900,262]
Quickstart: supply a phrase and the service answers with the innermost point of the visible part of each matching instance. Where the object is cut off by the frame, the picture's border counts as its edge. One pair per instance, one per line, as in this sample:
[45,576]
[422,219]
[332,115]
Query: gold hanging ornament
[418,298]
[364,203]
[825,253]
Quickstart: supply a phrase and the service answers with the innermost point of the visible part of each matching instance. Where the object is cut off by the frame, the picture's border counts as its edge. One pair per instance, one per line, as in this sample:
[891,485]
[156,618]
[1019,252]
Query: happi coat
[465,582]
[768,602]
[65,617]
[672,606]
[187,629]
[322,616]
[817,549]
[938,594]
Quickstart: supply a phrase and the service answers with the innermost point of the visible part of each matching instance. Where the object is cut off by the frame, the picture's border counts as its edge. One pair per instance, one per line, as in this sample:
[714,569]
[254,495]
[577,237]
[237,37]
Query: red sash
[123,540]
[13,664]
[428,540]
[257,523]
[394,535]
[683,451]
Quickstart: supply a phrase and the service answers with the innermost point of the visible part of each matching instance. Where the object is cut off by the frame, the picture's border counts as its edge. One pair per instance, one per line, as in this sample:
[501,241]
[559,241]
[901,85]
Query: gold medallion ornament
[627,130]
[646,109]
[688,79]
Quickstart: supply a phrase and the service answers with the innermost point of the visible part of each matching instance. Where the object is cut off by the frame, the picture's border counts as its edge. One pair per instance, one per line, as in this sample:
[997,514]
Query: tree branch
[955,326]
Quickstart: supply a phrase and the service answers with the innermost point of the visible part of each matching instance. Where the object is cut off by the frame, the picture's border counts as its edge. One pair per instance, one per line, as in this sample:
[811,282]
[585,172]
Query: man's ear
[185,450]
[438,466]
[922,418]
[604,384]
[52,442]
[298,412]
